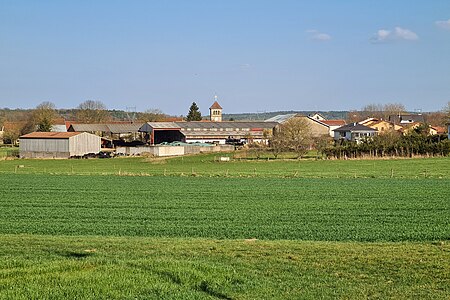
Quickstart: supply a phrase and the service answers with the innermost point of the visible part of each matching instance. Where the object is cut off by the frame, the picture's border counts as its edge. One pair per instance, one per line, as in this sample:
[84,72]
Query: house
[401,119]
[317,116]
[58,144]
[434,130]
[319,126]
[381,125]
[333,124]
[354,132]
[59,125]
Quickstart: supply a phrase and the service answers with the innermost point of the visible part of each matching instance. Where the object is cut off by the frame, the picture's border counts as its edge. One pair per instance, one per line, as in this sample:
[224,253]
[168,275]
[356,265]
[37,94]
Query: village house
[381,125]
[318,124]
[354,132]
[402,119]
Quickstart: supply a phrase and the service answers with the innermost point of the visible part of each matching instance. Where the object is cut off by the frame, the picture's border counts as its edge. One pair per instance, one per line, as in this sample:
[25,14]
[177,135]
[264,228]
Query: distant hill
[331,115]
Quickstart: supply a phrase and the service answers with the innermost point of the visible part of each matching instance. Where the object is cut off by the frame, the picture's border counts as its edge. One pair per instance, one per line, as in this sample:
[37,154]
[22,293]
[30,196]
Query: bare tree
[293,135]
[380,111]
[91,111]
[372,111]
[43,116]
[152,115]
[393,109]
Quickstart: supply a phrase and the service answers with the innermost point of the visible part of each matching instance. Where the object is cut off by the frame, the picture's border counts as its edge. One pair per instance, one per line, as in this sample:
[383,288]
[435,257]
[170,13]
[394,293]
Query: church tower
[215,111]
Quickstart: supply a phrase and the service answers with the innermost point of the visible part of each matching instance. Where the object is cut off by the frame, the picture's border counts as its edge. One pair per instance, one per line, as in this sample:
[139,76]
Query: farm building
[58,144]
[107,130]
[207,132]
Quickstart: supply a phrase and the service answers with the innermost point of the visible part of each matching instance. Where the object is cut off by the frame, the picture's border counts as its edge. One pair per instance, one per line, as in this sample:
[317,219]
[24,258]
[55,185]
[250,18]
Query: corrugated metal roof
[150,126]
[220,134]
[109,127]
[89,127]
[184,126]
[124,128]
[49,135]
[228,124]
[280,118]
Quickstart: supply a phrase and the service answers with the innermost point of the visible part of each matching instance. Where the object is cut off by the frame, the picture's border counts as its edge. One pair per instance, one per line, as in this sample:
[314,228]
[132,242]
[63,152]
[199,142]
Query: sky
[255,55]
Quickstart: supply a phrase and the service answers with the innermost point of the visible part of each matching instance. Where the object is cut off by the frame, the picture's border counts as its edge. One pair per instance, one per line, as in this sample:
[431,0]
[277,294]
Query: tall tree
[91,111]
[43,116]
[194,113]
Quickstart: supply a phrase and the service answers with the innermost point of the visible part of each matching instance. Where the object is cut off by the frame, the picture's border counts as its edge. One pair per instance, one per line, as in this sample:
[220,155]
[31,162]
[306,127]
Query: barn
[58,144]
[207,132]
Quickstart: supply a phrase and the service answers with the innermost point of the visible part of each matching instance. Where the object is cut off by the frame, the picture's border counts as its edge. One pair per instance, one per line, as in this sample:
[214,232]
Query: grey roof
[228,124]
[406,118]
[149,126]
[112,128]
[124,128]
[280,118]
[220,134]
[88,127]
[354,127]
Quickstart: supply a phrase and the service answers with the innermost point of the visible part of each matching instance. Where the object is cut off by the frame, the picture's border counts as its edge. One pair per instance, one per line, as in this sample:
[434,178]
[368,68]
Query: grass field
[5,150]
[227,208]
[207,165]
[56,267]
[194,228]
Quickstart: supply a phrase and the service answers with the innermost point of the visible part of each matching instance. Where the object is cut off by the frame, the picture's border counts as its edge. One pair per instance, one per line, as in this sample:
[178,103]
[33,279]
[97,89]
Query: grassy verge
[207,165]
[49,267]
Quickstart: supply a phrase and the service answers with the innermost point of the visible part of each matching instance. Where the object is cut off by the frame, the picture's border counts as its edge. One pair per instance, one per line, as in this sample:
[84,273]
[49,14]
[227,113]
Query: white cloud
[405,34]
[245,67]
[443,24]
[318,36]
[398,34]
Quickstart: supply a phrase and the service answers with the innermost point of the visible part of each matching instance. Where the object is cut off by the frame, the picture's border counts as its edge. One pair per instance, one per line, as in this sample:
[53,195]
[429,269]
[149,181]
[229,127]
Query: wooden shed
[58,144]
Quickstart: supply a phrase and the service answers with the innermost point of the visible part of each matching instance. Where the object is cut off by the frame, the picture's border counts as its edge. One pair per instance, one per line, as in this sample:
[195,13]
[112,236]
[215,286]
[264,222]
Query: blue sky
[255,55]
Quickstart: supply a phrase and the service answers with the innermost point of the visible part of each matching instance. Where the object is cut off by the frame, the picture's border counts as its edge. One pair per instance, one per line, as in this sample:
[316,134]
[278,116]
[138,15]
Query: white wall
[84,143]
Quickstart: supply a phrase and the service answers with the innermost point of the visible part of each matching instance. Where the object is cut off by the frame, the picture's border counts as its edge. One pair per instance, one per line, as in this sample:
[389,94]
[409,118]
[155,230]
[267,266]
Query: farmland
[195,228]
[207,166]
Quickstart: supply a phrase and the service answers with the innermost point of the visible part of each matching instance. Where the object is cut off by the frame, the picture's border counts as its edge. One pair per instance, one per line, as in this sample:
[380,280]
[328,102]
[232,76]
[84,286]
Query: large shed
[207,132]
[58,144]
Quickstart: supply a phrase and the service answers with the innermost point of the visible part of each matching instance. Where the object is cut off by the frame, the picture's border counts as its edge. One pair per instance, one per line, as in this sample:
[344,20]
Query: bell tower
[215,111]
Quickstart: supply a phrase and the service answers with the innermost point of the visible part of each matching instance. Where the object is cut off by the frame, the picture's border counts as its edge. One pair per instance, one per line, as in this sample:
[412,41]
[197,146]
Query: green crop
[227,208]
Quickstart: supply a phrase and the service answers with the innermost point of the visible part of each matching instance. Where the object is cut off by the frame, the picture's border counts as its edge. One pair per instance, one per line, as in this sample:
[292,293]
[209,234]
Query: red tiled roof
[49,135]
[333,122]
[439,129]
[215,106]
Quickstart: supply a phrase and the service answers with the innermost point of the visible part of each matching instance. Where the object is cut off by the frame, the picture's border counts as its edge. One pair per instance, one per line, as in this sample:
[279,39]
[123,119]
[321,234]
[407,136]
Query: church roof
[215,105]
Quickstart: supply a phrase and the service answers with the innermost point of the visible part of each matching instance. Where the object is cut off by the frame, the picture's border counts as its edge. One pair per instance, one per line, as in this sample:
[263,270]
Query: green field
[194,228]
[207,165]
[5,151]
